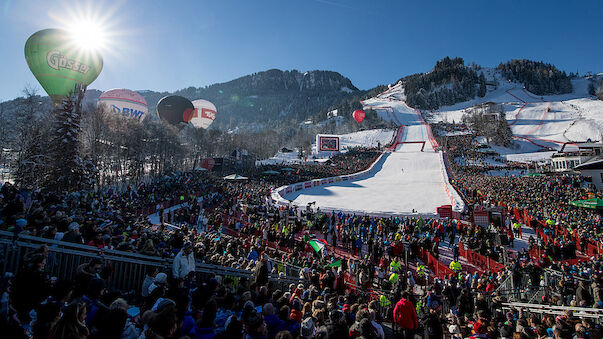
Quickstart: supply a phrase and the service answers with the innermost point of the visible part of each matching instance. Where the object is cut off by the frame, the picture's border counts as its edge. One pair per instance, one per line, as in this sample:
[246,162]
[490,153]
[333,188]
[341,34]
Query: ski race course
[404,180]
[537,122]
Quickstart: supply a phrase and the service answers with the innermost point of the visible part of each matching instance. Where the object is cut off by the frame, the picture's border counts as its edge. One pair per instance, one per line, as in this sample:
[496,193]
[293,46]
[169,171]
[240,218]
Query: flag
[335,264]
[318,244]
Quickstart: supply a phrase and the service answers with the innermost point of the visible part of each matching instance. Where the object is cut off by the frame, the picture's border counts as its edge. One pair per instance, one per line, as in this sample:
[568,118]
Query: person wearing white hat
[159,281]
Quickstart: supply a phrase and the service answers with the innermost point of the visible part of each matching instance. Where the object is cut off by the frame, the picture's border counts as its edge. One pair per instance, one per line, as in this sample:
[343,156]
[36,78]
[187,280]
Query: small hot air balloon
[59,63]
[204,114]
[176,110]
[124,102]
[358,115]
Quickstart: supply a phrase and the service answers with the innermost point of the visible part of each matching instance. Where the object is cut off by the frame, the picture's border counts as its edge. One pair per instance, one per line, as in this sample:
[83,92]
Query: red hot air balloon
[359,115]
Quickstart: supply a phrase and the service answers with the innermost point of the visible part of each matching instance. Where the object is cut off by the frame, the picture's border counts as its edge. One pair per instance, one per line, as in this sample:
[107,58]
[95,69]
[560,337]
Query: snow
[369,138]
[524,242]
[590,124]
[519,146]
[530,157]
[407,181]
[546,121]
[549,120]
[346,89]
[282,158]
[332,113]
[154,218]
[404,182]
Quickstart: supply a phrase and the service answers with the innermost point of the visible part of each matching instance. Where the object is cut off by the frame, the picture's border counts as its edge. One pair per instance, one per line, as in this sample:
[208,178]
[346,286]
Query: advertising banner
[328,144]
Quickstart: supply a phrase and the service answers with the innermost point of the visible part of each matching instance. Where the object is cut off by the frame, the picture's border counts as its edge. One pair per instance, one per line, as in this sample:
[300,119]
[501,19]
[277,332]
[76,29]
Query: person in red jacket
[383,262]
[405,316]
[97,241]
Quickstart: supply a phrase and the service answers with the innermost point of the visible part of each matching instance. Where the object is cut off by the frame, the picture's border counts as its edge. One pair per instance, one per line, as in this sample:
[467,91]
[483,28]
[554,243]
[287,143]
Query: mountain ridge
[254,98]
[275,97]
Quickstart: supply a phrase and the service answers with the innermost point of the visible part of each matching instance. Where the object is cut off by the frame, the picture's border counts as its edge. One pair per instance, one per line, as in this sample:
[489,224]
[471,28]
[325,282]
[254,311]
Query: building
[564,162]
[583,152]
[489,110]
[593,169]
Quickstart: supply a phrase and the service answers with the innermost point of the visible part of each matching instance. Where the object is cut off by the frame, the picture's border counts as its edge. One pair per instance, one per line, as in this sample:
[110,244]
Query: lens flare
[88,35]
[92,26]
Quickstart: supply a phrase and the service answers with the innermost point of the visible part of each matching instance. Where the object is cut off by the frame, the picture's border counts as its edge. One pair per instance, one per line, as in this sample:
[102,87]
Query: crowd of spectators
[543,203]
[178,303]
[354,160]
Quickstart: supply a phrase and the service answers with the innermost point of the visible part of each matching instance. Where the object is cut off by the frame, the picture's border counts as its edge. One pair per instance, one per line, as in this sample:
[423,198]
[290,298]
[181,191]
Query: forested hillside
[449,82]
[267,96]
[538,77]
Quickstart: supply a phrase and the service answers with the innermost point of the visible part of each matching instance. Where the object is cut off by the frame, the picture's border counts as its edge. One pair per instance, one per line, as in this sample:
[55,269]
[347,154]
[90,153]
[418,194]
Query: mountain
[449,82]
[274,94]
[277,100]
[544,111]
[255,101]
[538,77]
[543,107]
[263,98]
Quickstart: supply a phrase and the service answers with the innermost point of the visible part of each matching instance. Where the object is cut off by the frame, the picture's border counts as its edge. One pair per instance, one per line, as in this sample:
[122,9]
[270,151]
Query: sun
[88,35]
[91,27]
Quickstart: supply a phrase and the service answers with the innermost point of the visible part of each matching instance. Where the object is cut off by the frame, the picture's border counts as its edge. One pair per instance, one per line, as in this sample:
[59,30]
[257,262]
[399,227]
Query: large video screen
[329,144]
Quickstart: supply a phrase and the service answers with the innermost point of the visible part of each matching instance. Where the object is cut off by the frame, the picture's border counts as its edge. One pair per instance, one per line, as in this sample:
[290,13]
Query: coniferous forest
[449,82]
[538,77]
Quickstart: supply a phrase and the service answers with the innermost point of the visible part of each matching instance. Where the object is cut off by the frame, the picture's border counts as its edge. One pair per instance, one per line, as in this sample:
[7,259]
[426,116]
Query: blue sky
[168,45]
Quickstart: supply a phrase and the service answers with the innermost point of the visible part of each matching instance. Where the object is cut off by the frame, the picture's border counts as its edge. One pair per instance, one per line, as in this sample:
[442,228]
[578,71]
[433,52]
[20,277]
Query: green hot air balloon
[59,63]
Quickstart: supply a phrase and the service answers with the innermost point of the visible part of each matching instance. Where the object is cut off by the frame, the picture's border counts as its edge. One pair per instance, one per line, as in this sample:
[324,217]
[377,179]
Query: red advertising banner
[481,218]
[445,211]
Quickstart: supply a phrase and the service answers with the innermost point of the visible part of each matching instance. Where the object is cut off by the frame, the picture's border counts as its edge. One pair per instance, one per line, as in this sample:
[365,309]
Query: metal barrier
[513,290]
[128,269]
[286,268]
[532,294]
[506,284]
[579,312]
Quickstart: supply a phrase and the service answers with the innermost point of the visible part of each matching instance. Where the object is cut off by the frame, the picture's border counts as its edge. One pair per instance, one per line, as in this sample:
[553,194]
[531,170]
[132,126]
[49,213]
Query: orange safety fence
[437,267]
[481,262]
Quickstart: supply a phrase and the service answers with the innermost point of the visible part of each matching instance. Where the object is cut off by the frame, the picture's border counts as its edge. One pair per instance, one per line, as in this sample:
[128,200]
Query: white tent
[235,177]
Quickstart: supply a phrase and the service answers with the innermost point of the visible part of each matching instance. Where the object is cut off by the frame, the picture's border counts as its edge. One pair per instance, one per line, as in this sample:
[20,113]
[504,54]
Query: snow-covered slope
[406,181]
[542,120]
[403,181]
[368,138]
